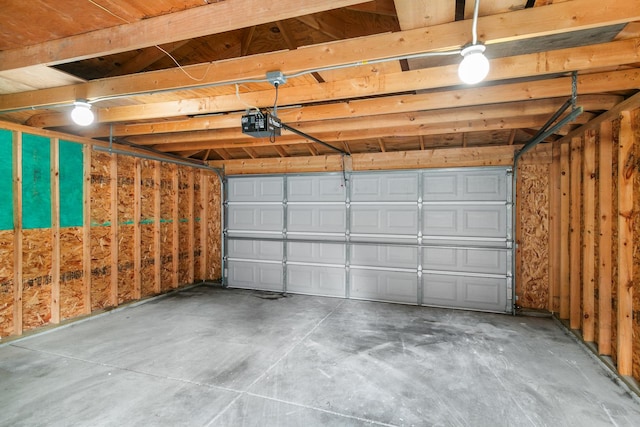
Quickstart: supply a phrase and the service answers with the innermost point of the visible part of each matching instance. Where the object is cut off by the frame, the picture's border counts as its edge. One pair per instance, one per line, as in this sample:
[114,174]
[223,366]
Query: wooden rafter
[521,25]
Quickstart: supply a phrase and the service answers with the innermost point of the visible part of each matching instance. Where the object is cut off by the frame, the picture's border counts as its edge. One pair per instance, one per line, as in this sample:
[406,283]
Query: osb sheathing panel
[213,225]
[635,117]
[36,283]
[147,201]
[100,230]
[147,260]
[184,209]
[183,259]
[100,189]
[6,283]
[71,273]
[166,272]
[533,249]
[100,267]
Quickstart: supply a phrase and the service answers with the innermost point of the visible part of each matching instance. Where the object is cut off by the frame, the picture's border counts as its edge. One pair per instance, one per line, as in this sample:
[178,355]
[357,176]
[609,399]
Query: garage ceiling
[123,57]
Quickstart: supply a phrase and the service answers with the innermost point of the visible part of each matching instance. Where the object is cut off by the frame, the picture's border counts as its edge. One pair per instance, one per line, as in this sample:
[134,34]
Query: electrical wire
[474,23]
[180,67]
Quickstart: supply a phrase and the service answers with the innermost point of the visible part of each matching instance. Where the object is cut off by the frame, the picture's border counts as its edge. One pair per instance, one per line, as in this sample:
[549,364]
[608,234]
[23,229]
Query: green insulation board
[36,182]
[6,180]
[71,184]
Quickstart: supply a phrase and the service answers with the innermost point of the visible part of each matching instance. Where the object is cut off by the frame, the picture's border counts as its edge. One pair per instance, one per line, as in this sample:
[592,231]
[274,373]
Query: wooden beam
[191,219]
[588,237]
[113,169]
[574,245]
[346,52]
[627,164]
[450,157]
[605,213]
[55,230]
[182,25]
[369,114]
[175,226]
[204,225]
[17,234]
[424,13]
[157,228]
[137,229]
[565,213]
[86,229]
[555,197]
[353,135]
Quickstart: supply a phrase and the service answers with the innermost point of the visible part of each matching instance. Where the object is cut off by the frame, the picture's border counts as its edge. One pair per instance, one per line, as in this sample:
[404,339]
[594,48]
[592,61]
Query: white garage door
[437,237]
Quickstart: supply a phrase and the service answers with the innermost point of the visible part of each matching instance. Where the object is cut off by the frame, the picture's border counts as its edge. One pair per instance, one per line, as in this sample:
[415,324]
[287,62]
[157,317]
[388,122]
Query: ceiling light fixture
[82,114]
[474,66]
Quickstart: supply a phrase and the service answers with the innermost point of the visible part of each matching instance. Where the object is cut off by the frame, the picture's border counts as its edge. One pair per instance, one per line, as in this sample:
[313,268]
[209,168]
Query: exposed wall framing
[603,284]
[82,230]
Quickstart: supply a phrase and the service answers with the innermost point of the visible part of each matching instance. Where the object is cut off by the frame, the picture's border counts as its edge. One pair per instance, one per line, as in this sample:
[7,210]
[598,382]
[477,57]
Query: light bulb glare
[474,66]
[82,114]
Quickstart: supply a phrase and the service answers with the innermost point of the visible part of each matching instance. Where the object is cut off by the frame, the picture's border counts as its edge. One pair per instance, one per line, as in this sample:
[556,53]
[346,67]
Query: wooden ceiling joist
[535,22]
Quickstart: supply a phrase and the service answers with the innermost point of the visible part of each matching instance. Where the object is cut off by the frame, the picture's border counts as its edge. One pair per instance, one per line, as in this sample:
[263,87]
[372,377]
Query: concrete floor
[214,357]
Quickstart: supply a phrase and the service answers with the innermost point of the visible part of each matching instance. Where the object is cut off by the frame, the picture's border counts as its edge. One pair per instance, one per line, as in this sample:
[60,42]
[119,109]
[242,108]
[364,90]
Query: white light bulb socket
[474,66]
[82,114]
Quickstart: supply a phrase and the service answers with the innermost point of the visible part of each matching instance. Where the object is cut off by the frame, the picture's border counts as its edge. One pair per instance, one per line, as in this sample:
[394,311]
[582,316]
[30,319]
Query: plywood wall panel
[36,284]
[148,260]
[71,273]
[126,242]
[100,189]
[533,249]
[100,268]
[6,283]
[167,195]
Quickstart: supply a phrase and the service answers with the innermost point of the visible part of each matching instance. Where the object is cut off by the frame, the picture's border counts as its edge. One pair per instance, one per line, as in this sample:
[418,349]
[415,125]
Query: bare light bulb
[82,114]
[474,66]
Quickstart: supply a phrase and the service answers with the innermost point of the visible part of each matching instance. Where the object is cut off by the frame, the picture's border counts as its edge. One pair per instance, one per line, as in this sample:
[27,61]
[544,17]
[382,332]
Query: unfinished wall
[82,230]
[598,254]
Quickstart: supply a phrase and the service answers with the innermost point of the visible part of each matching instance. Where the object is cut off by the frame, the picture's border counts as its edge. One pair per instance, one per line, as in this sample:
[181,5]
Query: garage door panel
[387,187]
[316,280]
[255,250]
[323,253]
[473,185]
[255,275]
[392,220]
[255,218]
[264,189]
[316,188]
[483,261]
[383,285]
[479,293]
[316,219]
[465,221]
[384,256]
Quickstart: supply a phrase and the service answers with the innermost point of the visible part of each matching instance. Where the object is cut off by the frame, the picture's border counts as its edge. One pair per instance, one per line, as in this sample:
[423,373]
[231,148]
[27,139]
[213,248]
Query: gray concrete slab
[209,356]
